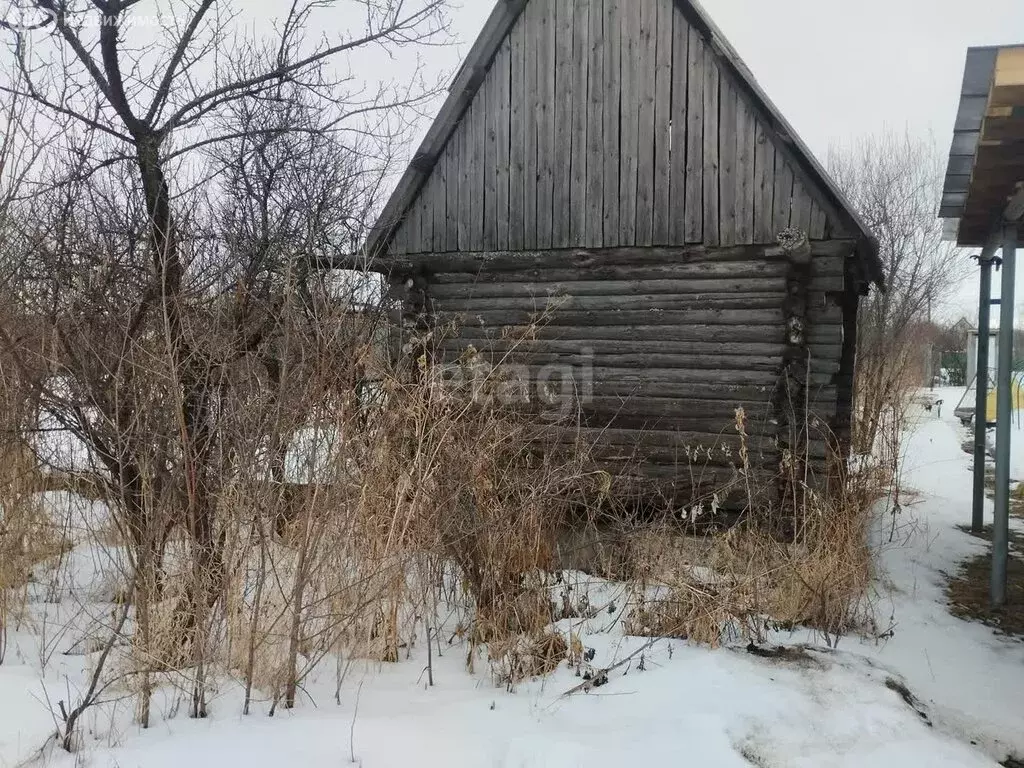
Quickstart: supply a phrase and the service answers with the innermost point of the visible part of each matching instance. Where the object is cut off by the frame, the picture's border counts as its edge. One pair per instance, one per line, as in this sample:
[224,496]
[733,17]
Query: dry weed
[521,657]
[738,584]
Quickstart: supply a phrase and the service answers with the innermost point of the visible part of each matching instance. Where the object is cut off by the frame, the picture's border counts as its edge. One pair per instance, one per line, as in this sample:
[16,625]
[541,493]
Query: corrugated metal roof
[986,156]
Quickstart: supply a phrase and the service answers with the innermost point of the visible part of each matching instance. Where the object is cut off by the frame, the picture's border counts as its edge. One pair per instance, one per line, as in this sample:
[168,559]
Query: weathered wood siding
[605,216]
[655,348]
[609,123]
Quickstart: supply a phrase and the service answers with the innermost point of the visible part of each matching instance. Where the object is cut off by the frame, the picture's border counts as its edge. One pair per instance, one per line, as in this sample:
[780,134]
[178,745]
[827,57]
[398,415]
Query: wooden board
[818,219]
[546,122]
[439,203]
[694,206]
[764,187]
[800,214]
[782,200]
[594,216]
[745,153]
[425,242]
[630,120]
[490,162]
[502,140]
[611,121]
[728,158]
[680,211]
[451,154]
[577,198]
[663,117]
[532,120]
[562,109]
[647,61]
[518,115]
[477,139]
[711,169]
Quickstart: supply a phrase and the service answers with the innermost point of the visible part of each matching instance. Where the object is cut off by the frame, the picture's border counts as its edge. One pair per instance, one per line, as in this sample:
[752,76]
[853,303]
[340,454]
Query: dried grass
[522,657]
[29,534]
[436,501]
[736,585]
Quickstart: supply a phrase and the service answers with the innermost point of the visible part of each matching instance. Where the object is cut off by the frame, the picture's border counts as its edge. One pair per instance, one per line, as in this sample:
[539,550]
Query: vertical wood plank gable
[451,154]
[465,189]
[800,215]
[695,100]
[490,164]
[712,89]
[594,218]
[630,120]
[818,220]
[745,140]
[764,186]
[439,191]
[562,108]
[727,163]
[604,123]
[577,213]
[502,91]
[782,202]
[663,203]
[517,136]
[646,132]
[476,130]
[400,239]
[411,227]
[532,120]
[680,211]
[546,132]
[611,119]
[426,239]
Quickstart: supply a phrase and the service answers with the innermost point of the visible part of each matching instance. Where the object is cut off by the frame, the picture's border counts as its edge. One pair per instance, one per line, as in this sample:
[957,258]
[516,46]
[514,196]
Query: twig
[430,661]
[602,674]
[352,728]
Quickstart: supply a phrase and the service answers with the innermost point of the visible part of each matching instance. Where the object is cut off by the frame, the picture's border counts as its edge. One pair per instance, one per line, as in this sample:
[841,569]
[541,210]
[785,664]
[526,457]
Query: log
[601,282]
[724,425]
[613,303]
[486,260]
[644,361]
[504,346]
[703,333]
[655,318]
[671,407]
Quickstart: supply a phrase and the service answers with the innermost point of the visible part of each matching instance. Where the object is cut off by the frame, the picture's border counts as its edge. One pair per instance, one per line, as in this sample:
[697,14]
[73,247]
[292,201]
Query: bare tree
[895,181]
[166,250]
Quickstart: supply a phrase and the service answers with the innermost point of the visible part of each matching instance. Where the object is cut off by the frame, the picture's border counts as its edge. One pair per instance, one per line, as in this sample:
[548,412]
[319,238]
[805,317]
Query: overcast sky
[837,69]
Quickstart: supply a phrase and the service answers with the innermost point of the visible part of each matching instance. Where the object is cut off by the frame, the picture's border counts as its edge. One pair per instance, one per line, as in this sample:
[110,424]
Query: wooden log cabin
[608,175]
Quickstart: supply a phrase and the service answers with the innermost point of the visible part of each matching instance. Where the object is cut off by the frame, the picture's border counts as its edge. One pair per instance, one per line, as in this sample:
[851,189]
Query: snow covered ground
[682,706]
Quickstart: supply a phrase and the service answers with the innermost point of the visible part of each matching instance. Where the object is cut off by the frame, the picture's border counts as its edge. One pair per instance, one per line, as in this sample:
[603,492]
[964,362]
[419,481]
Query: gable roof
[471,75]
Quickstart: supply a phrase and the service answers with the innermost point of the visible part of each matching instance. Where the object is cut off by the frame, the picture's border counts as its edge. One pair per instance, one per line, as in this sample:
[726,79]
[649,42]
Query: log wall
[608,204]
[609,123]
[655,352]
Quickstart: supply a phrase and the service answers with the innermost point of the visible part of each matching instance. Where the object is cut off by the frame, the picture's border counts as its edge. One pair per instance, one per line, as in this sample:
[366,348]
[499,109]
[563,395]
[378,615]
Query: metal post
[981,391]
[1001,523]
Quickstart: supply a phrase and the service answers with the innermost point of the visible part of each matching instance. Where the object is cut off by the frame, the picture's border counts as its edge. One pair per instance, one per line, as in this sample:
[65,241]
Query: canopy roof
[984,187]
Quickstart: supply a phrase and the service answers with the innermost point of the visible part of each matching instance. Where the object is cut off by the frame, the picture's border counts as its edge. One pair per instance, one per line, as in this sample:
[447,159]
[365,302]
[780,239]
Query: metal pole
[1001,523]
[931,350]
[981,391]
